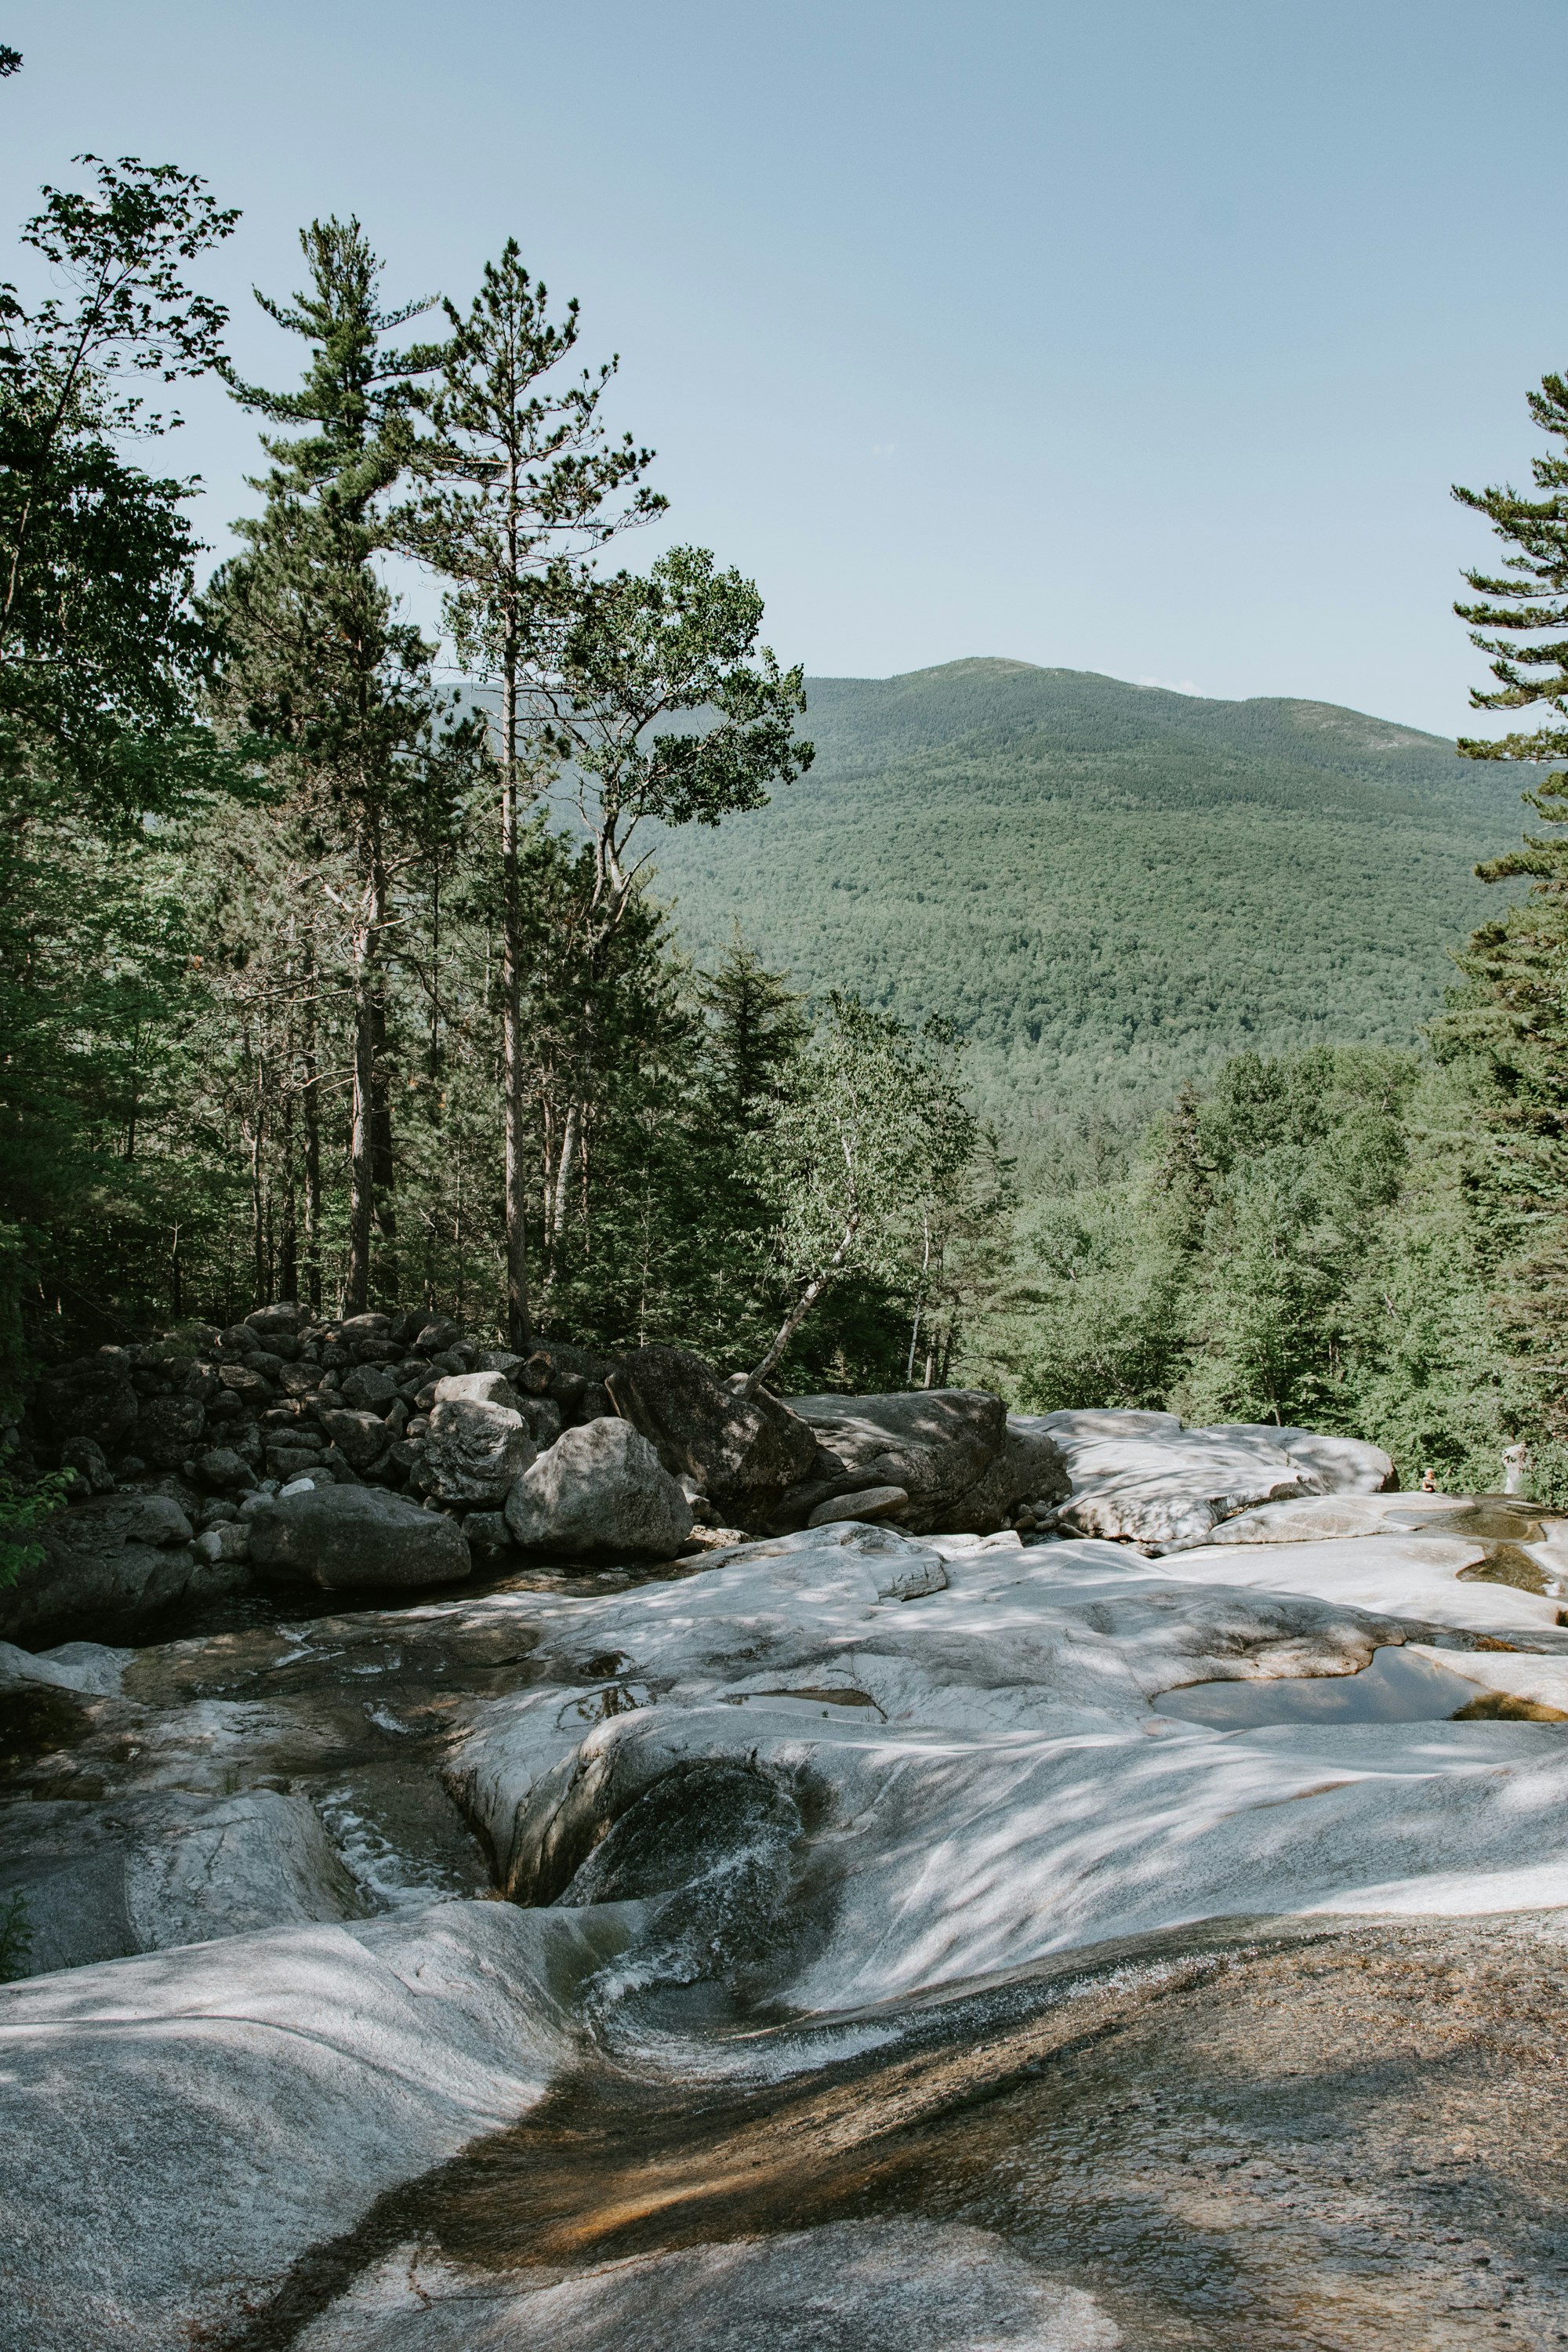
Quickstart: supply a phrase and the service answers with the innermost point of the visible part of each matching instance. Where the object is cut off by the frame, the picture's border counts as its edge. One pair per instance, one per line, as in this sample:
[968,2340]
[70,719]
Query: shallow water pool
[1395,1688]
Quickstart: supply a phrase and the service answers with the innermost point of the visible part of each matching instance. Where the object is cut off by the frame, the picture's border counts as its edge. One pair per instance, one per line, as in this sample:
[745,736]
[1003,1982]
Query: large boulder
[181,2128]
[743,1452]
[1140,1478]
[148,1872]
[936,1443]
[111,1562]
[599,1492]
[168,1431]
[92,1398]
[1346,1465]
[1029,1468]
[477,1445]
[284,1321]
[368,1388]
[362,1438]
[347,1537]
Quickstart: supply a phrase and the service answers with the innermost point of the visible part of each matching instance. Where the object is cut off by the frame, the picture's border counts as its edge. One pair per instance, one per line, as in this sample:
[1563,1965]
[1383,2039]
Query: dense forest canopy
[582,971]
[1105,888]
[331,963]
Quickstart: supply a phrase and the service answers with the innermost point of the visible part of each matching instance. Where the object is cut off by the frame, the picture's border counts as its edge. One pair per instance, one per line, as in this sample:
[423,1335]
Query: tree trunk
[802,1309]
[288,1240]
[258,1266]
[383,1173]
[370,1141]
[519,1314]
[569,1142]
[310,1109]
[362,1138]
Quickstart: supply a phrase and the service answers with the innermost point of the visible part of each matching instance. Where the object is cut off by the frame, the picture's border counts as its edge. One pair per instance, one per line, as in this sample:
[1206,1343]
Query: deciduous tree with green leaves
[873,1134]
[99,647]
[644,652]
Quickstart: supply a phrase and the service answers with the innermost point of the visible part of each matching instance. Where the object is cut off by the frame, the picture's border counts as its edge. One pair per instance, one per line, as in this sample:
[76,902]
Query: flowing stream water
[1264,2136]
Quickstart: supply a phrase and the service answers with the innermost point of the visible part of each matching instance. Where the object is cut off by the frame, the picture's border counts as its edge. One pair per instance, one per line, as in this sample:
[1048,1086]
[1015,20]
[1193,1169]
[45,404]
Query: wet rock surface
[345,1539]
[1319,2142]
[853,1936]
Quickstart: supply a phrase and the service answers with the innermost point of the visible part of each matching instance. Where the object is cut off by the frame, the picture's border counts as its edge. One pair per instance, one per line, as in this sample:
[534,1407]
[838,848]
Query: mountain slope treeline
[1106,888]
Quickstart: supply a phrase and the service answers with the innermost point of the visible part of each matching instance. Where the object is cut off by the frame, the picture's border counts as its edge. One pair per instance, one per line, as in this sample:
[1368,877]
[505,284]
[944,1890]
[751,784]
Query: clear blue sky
[1113,334]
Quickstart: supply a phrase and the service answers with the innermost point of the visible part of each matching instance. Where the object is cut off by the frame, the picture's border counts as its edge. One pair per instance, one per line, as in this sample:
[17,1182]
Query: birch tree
[644,652]
[872,1136]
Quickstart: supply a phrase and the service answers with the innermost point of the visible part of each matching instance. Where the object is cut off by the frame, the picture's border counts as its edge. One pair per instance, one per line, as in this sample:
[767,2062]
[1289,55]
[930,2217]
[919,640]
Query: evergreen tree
[520,482]
[1510,1027]
[317,662]
[754,1032]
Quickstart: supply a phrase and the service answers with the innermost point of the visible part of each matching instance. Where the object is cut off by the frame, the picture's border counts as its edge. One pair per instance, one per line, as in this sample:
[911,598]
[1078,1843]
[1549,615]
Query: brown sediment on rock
[1336,2141]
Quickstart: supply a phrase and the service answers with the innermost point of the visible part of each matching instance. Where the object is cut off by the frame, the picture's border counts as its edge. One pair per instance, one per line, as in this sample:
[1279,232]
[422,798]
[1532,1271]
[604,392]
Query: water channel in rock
[1274,2135]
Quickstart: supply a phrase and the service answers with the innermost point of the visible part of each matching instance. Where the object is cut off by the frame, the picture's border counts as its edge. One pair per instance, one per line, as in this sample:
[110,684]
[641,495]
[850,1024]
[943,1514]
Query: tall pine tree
[520,482]
[1513,1019]
[318,663]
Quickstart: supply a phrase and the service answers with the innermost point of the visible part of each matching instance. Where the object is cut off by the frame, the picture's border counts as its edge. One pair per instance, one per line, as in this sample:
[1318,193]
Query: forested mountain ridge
[1106,887]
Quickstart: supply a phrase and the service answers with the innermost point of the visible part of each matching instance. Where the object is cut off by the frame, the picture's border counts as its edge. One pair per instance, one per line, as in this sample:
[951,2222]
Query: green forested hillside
[1108,887]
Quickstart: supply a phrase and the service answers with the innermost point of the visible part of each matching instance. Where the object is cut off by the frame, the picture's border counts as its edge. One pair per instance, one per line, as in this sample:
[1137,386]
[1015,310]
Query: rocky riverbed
[1146,1930]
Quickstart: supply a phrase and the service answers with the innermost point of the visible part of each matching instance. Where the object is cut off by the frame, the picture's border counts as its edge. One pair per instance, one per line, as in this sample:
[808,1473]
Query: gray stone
[599,1492]
[225,2108]
[229,1540]
[937,1444]
[360,1437]
[221,1469]
[1141,1477]
[368,1388]
[475,1388]
[364,1326]
[487,1530]
[436,1335]
[81,1453]
[871,1503]
[148,1873]
[744,1454]
[110,1519]
[1029,1469]
[921,2284]
[91,1668]
[252,1388]
[1346,1465]
[168,1431]
[541,1418]
[286,1320]
[476,1447]
[92,1398]
[345,1538]
[114,1560]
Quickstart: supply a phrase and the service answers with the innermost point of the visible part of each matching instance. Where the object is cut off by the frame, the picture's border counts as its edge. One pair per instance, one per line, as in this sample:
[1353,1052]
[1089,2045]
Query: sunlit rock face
[826,1865]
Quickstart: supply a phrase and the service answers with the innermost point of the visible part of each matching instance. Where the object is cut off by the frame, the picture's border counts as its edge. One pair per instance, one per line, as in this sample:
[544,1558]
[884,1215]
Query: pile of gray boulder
[390,1451]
